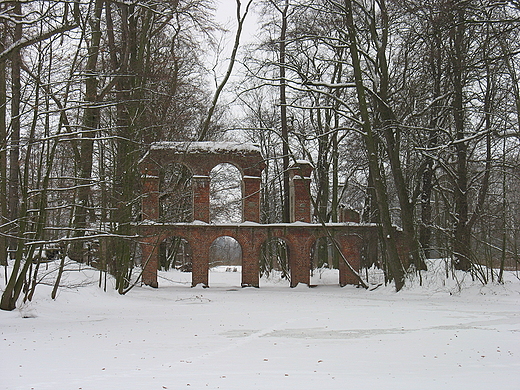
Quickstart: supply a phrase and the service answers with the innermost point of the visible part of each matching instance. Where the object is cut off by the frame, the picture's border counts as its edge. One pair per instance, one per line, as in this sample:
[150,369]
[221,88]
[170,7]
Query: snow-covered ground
[455,335]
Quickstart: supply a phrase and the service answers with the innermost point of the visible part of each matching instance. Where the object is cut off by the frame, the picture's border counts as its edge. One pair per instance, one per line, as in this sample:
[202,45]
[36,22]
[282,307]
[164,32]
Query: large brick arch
[200,158]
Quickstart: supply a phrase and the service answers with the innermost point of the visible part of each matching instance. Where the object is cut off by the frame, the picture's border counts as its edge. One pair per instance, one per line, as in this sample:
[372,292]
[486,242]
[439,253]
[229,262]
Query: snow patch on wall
[206,147]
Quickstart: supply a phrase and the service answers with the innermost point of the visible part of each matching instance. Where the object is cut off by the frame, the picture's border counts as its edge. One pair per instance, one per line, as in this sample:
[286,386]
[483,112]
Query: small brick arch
[171,193]
[224,236]
[233,191]
[259,248]
[188,244]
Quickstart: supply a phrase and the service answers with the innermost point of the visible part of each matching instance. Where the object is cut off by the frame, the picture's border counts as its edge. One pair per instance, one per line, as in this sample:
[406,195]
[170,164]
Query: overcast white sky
[226,14]
[226,17]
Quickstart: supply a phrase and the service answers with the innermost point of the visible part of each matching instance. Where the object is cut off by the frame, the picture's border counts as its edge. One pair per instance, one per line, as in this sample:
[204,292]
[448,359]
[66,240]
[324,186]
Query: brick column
[150,252]
[299,260]
[300,199]
[300,195]
[150,200]
[250,261]
[200,185]
[251,198]
[200,263]
[351,249]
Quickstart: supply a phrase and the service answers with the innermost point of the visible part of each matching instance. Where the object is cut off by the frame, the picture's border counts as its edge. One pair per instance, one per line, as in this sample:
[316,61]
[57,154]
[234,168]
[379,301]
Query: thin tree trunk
[90,126]
[3,148]
[322,165]
[338,70]
[461,238]
[335,178]
[283,114]
[396,268]
[14,153]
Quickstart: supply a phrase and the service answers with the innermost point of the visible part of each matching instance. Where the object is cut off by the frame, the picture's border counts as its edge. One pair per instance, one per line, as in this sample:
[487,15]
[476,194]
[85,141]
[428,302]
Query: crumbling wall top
[207,147]
[202,157]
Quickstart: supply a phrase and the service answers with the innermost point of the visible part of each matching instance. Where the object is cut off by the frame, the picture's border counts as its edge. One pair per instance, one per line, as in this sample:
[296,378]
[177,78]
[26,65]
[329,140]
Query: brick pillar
[299,261]
[200,263]
[200,185]
[150,201]
[351,249]
[150,260]
[251,198]
[300,199]
[250,261]
[300,195]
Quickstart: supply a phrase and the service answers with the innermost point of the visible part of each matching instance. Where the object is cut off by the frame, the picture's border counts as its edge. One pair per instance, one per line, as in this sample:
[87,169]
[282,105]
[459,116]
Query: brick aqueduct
[300,235]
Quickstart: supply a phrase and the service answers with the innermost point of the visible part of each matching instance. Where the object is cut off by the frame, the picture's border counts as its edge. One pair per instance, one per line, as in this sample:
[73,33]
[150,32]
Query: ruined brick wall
[299,237]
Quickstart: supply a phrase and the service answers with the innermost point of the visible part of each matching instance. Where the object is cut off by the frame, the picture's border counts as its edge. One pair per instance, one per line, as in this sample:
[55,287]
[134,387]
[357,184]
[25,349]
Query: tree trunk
[461,237]
[396,268]
[14,154]
[90,126]
[391,132]
[283,114]
[3,148]
[435,62]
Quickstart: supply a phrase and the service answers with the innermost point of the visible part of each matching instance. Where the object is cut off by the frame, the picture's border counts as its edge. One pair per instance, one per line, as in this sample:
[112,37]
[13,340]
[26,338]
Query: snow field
[456,335]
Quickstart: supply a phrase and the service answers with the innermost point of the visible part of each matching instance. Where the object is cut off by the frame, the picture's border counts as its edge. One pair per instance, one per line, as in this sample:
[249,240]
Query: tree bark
[88,134]
[461,237]
[3,148]
[14,153]
[283,113]
[396,268]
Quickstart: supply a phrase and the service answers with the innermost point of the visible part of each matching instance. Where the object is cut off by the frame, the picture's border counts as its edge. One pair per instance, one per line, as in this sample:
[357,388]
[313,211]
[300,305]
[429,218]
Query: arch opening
[225,194]
[325,258]
[274,259]
[225,262]
[175,254]
[175,194]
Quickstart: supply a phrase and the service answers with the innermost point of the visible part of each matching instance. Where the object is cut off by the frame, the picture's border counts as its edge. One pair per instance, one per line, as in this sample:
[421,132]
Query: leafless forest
[409,111]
